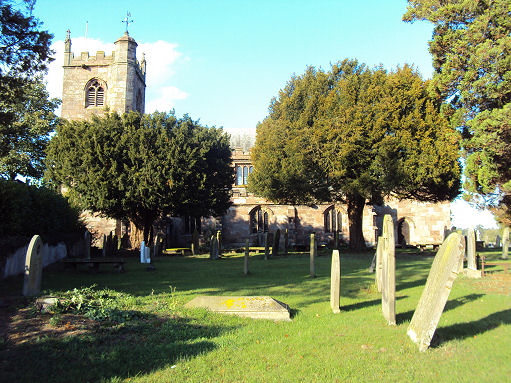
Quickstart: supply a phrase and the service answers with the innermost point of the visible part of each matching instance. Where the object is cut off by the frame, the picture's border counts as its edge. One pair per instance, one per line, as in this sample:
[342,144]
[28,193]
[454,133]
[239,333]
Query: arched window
[245,175]
[251,169]
[239,175]
[259,221]
[94,93]
[332,220]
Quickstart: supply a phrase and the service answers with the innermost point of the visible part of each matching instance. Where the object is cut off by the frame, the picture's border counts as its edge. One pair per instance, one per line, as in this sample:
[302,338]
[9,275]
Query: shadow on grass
[471,329]
[139,347]
[450,305]
[364,304]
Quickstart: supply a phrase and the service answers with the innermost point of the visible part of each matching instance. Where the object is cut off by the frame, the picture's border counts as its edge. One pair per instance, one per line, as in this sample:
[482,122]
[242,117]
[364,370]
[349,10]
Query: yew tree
[355,135]
[471,49]
[142,167]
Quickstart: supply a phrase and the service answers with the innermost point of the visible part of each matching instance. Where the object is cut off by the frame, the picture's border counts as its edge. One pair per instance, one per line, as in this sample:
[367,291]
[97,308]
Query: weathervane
[127,21]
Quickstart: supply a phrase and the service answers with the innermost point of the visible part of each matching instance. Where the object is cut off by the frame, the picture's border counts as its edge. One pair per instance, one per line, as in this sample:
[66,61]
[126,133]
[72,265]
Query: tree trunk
[356,205]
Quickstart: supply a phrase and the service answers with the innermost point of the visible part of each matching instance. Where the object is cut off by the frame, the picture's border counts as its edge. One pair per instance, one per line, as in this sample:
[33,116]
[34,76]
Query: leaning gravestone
[335,282]
[313,254]
[388,275]
[505,243]
[33,267]
[87,240]
[436,292]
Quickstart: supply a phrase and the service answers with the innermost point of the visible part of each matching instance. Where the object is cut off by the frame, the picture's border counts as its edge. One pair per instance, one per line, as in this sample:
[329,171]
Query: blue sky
[222,61]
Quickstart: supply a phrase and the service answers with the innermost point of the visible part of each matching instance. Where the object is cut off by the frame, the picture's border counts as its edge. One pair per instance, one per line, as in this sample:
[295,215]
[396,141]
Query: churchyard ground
[146,335]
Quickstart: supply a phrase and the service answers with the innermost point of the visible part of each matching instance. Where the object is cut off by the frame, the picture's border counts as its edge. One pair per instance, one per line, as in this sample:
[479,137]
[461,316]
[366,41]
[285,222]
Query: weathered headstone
[335,282]
[219,243]
[497,241]
[276,243]
[87,241]
[33,267]
[195,242]
[436,292]
[286,241]
[158,245]
[313,253]
[213,248]
[379,263]
[388,277]
[471,249]
[262,307]
[145,253]
[103,250]
[505,243]
[245,260]
[266,246]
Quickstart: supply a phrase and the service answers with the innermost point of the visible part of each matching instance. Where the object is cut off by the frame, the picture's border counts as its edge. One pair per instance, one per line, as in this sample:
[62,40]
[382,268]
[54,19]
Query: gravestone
[266,246]
[436,292]
[263,307]
[276,243]
[195,242]
[33,267]
[88,241]
[471,249]
[497,241]
[471,270]
[245,260]
[313,253]
[379,263]
[103,250]
[335,282]
[388,275]
[213,248]
[218,243]
[158,245]
[145,253]
[286,241]
[505,243]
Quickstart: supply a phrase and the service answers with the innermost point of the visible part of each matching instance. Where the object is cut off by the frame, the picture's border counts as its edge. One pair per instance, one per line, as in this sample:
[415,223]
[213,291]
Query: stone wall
[15,263]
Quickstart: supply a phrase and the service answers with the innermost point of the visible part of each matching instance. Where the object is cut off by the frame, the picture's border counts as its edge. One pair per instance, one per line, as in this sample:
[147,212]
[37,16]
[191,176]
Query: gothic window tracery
[95,93]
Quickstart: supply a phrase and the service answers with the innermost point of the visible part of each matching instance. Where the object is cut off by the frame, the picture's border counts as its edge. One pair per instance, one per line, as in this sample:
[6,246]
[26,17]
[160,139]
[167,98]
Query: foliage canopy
[471,48]
[355,135]
[143,167]
[26,114]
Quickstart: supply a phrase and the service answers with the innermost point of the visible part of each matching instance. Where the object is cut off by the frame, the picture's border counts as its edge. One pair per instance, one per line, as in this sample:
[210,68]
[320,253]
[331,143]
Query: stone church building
[116,82]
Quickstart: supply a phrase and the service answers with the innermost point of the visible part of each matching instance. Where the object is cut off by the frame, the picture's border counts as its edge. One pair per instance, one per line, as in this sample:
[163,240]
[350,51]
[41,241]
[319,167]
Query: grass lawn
[164,342]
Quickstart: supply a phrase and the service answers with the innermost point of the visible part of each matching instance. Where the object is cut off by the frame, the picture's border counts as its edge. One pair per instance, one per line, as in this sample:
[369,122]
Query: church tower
[95,84]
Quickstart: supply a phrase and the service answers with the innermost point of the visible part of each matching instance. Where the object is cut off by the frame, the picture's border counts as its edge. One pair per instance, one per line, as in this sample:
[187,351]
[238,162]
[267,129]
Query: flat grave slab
[263,307]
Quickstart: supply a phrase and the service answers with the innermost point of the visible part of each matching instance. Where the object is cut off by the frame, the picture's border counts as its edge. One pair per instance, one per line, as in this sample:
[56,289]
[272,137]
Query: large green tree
[26,114]
[471,48]
[355,135]
[25,138]
[143,167]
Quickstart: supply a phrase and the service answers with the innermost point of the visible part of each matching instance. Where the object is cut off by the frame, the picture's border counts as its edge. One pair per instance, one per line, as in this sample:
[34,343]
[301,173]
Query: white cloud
[161,57]
[163,99]
[466,216]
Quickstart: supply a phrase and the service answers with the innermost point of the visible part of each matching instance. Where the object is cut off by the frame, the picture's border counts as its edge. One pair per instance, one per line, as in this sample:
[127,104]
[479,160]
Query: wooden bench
[179,250]
[95,262]
[505,265]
